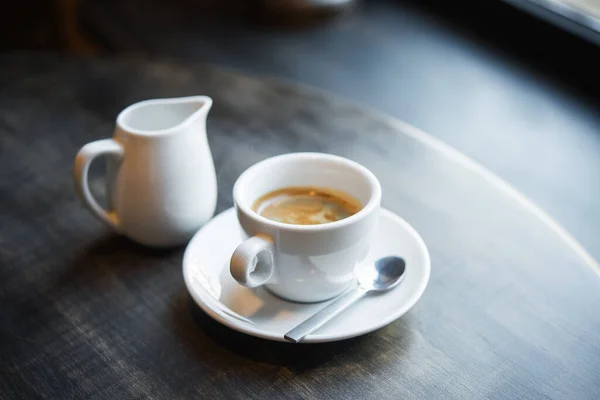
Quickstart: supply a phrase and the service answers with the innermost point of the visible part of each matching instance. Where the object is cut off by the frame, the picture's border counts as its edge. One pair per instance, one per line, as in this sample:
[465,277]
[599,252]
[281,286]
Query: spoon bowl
[382,275]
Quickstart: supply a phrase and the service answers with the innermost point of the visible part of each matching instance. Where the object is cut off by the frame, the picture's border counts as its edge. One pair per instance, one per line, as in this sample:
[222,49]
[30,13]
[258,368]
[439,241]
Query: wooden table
[511,310]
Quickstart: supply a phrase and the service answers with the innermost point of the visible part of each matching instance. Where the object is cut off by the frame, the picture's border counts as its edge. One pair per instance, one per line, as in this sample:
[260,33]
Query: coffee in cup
[306,205]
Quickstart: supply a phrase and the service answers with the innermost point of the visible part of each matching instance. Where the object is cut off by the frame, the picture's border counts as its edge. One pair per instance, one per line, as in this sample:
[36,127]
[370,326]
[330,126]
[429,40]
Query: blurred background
[394,55]
[383,52]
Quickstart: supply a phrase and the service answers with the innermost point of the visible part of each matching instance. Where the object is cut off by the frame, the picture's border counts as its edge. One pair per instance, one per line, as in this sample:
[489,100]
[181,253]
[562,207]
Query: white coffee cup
[304,263]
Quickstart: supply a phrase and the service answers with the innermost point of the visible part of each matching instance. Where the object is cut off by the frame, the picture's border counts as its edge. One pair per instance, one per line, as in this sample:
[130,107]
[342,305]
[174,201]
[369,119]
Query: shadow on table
[115,255]
[194,325]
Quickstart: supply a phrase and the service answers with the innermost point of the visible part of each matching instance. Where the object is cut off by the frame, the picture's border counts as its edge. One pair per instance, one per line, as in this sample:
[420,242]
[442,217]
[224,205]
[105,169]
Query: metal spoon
[384,274]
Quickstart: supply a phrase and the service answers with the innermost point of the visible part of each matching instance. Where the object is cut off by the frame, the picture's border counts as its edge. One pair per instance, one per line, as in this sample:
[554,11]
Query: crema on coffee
[306,205]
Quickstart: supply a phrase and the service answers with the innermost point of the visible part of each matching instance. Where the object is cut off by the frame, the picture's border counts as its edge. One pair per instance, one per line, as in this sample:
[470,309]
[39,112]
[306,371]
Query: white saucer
[259,313]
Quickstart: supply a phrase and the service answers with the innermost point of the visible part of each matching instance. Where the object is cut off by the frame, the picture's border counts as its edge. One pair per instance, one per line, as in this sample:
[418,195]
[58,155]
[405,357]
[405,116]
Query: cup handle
[84,159]
[252,261]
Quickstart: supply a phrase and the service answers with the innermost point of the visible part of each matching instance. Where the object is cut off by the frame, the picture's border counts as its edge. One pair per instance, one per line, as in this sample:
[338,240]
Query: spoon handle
[321,317]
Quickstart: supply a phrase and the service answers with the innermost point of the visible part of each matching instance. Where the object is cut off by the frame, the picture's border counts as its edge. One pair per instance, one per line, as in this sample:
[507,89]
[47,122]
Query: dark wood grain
[510,312]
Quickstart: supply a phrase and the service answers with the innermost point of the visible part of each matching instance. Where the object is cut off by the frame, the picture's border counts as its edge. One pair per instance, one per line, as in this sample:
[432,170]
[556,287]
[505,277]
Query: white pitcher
[161,181]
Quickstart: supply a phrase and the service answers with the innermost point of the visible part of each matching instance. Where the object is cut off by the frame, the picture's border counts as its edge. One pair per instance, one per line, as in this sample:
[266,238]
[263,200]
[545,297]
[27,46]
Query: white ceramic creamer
[161,181]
